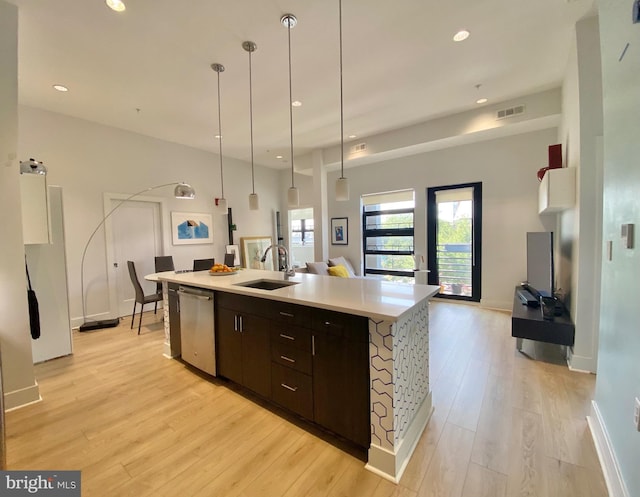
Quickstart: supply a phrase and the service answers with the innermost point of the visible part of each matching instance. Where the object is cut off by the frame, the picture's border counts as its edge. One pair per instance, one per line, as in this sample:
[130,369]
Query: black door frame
[476,243]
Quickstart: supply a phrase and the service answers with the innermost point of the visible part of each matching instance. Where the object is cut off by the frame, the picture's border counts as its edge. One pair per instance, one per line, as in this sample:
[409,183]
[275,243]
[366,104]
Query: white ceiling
[400,64]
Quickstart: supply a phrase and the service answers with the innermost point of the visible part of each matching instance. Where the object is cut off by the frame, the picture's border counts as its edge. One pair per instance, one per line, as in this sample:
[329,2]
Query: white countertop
[361,296]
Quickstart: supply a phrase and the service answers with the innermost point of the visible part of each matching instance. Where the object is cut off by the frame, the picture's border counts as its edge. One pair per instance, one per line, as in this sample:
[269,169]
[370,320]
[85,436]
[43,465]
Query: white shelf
[557,191]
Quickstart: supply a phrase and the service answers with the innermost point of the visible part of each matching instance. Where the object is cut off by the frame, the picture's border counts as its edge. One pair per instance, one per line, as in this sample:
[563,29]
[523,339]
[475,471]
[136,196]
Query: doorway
[454,240]
[134,234]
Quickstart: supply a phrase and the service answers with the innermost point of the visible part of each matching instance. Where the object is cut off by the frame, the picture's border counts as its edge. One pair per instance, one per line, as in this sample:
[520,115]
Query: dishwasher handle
[182,293]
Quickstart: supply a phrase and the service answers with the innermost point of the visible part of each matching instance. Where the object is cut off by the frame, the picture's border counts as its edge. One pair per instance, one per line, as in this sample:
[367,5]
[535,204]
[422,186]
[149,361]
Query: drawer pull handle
[286,314]
[288,337]
[288,359]
[284,385]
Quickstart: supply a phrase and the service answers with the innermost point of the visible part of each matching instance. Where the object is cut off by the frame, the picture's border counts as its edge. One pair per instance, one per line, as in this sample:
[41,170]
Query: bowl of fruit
[222,270]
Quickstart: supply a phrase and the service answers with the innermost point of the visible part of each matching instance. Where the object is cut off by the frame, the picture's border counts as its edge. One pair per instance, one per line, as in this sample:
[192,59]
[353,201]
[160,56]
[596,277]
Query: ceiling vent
[360,147]
[510,112]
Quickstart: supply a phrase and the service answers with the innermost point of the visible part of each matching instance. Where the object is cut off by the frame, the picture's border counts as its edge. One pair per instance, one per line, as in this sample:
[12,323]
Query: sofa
[336,266]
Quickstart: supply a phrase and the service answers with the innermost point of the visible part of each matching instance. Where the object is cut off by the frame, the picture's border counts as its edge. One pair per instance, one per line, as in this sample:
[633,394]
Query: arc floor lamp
[181,190]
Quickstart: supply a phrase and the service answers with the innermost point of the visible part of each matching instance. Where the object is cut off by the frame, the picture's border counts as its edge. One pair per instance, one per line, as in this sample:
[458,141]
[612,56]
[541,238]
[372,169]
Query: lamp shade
[182,190]
[293,197]
[342,189]
[254,203]
[222,205]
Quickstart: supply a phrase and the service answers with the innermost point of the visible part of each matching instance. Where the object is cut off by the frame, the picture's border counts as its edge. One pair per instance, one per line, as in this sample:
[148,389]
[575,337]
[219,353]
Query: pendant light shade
[183,190]
[342,183]
[342,189]
[254,203]
[293,197]
[221,202]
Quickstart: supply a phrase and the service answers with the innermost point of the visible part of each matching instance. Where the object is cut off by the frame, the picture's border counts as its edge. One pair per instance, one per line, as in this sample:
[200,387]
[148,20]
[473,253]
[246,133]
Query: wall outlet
[636,414]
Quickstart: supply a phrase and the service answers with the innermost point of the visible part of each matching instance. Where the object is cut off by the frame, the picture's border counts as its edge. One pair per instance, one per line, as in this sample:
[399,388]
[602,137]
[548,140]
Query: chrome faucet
[288,270]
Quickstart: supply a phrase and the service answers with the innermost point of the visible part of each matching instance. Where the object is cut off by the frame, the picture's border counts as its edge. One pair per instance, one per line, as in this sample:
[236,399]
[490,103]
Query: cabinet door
[229,345]
[256,354]
[341,386]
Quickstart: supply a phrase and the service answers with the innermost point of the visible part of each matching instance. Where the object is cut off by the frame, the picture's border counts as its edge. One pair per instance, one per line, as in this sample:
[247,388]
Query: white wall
[580,228]
[15,339]
[507,169]
[618,380]
[88,159]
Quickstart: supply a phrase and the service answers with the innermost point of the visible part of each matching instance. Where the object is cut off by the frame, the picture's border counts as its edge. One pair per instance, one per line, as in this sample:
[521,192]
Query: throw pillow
[317,267]
[341,261]
[340,271]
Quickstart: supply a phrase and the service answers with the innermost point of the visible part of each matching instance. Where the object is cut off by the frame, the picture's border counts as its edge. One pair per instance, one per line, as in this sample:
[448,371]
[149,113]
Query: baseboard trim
[496,305]
[22,397]
[581,364]
[606,455]
[391,464]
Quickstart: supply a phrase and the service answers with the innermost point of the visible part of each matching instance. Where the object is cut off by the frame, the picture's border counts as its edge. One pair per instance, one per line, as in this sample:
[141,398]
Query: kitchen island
[396,326]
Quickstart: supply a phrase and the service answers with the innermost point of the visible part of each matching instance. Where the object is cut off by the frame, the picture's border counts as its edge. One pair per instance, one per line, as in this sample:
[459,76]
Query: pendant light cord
[290,103]
[220,139]
[341,100]
[253,185]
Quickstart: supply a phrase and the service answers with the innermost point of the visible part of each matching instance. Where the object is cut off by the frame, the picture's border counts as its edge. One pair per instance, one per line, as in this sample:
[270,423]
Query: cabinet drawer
[291,335]
[292,390]
[291,314]
[353,328]
[291,357]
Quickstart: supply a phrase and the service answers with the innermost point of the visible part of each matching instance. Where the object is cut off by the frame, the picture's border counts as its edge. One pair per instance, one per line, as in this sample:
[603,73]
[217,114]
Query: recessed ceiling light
[461,35]
[296,103]
[482,101]
[60,88]
[217,137]
[353,136]
[278,156]
[117,5]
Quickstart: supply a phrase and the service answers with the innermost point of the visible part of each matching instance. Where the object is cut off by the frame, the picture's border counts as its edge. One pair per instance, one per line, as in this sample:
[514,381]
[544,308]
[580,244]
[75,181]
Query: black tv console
[527,322]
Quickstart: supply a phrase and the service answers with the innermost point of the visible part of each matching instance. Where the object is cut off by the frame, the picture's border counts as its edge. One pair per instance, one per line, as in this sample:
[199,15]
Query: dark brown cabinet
[312,362]
[341,387]
[243,348]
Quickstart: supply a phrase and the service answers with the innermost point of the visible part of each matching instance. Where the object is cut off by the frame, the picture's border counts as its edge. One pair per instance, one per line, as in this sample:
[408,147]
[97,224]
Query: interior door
[137,237]
[454,235]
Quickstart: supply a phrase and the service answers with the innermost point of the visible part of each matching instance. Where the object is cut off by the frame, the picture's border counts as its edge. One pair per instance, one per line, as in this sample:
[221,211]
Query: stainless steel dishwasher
[197,328]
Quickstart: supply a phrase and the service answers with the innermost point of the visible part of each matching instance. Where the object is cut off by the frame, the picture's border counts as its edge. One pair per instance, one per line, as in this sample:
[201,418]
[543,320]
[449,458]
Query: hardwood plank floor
[138,424]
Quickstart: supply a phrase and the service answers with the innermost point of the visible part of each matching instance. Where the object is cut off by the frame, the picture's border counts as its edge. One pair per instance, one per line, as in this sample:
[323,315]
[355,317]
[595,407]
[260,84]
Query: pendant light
[254,203]
[221,202]
[293,196]
[342,183]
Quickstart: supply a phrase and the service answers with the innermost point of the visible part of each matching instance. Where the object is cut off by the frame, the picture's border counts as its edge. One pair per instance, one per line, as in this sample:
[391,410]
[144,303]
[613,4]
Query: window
[387,227]
[301,236]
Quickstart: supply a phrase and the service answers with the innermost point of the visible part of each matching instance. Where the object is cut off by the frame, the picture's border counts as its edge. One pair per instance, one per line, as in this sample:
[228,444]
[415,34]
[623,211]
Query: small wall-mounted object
[626,233]
[34,202]
[557,190]
[635,15]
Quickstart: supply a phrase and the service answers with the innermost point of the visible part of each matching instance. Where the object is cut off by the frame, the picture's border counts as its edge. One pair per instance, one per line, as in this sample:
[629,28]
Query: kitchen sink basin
[267,284]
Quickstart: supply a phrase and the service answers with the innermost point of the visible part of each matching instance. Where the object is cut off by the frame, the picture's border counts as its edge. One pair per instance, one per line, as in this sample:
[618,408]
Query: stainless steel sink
[264,284]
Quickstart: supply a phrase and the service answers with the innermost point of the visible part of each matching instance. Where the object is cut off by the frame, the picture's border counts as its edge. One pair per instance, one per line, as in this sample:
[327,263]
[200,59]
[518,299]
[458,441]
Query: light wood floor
[139,424]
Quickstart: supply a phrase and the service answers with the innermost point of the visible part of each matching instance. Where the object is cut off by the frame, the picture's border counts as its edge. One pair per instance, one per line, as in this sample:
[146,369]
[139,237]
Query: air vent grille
[360,147]
[510,112]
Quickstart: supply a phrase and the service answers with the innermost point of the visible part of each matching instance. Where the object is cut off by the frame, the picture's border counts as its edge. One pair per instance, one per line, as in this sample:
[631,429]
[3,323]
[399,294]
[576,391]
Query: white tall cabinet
[45,254]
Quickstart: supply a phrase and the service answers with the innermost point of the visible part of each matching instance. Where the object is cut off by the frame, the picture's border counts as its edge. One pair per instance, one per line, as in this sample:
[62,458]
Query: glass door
[454,234]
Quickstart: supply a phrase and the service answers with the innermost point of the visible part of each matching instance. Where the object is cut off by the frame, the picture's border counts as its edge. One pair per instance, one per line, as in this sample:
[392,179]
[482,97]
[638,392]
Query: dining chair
[203,264]
[140,297]
[163,263]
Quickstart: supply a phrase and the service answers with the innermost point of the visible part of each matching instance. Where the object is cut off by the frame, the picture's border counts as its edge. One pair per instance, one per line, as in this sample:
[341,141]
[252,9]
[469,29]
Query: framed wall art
[253,248]
[339,231]
[191,228]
